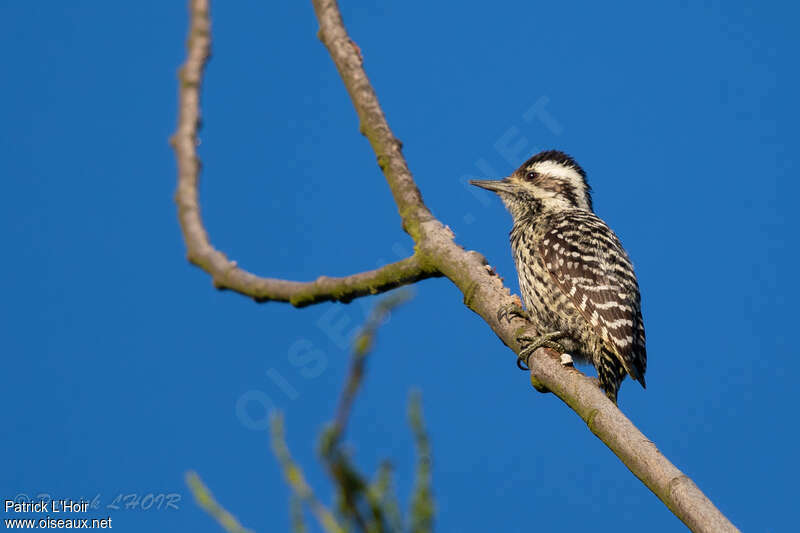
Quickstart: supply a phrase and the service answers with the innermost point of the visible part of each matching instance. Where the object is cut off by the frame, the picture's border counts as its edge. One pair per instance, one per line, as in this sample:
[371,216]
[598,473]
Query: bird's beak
[498,186]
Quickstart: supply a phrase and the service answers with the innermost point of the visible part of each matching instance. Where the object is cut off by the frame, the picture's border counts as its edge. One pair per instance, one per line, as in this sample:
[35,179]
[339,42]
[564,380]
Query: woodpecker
[577,282]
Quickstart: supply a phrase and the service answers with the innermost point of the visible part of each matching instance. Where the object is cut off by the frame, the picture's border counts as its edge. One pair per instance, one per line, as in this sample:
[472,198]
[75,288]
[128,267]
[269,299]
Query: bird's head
[550,180]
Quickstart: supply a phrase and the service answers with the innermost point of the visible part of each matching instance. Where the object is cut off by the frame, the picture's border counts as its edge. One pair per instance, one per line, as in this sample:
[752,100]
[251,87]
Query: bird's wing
[587,262]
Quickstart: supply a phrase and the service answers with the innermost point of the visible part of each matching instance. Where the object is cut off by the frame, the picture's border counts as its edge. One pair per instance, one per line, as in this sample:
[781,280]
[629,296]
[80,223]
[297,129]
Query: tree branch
[206,500]
[297,480]
[436,254]
[640,455]
[388,149]
[353,491]
[225,273]
[362,347]
[423,506]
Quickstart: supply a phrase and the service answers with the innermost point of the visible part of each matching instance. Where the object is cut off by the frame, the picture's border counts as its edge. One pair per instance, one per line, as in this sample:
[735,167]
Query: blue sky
[123,368]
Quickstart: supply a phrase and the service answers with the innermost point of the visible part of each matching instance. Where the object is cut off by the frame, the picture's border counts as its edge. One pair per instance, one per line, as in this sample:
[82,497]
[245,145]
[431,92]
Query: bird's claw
[535,342]
[508,312]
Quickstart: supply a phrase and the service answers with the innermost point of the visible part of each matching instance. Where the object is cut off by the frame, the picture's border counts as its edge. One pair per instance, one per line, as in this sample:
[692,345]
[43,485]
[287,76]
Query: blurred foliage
[206,500]
[360,504]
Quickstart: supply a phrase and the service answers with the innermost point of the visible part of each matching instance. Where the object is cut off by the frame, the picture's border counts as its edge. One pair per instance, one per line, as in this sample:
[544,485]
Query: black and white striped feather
[574,275]
[588,264]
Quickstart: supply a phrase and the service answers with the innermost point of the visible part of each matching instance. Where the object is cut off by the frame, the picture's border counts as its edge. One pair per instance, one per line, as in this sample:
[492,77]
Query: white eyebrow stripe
[575,190]
[551,168]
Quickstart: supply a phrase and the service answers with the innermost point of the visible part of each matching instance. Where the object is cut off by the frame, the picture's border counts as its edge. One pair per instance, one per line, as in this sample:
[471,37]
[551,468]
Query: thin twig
[382,494]
[206,500]
[351,485]
[297,480]
[296,514]
[226,274]
[361,349]
[423,507]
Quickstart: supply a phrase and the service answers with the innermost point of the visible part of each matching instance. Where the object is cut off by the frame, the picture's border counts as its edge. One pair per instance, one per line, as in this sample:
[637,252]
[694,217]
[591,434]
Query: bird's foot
[532,343]
[508,312]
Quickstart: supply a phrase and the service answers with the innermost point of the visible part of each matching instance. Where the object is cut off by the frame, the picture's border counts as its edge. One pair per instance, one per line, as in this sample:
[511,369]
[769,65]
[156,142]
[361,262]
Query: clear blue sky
[123,367]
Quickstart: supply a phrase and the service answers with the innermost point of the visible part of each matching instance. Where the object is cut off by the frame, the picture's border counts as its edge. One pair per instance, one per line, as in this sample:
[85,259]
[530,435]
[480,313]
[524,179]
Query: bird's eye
[530,175]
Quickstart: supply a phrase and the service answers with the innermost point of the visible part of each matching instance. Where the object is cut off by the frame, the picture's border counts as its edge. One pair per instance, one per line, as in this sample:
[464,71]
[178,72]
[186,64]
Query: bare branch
[436,254]
[485,294]
[349,61]
[639,454]
[225,273]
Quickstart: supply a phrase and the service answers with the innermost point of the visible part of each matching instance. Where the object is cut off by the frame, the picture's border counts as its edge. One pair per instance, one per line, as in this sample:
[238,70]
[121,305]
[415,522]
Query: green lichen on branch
[377,281]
